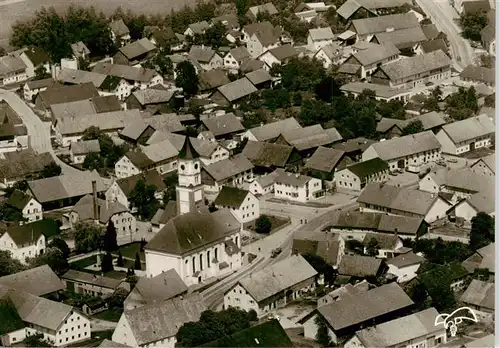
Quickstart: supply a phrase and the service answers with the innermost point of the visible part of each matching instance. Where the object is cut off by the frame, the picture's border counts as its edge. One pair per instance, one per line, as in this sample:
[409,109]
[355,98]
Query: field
[13,10]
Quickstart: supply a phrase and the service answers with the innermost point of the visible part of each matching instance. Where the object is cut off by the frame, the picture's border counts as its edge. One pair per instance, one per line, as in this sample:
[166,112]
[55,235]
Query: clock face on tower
[183,167]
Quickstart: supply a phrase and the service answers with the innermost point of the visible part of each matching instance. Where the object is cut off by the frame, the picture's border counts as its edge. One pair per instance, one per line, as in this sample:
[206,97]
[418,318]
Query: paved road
[38,131]
[282,238]
[442,14]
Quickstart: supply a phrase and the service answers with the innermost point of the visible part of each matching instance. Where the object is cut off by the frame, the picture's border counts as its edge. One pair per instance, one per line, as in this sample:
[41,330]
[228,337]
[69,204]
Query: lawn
[112,314]
[81,264]
[129,250]
[277,222]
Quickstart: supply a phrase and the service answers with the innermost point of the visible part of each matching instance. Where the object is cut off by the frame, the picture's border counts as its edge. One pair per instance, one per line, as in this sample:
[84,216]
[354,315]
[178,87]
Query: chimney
[94,196]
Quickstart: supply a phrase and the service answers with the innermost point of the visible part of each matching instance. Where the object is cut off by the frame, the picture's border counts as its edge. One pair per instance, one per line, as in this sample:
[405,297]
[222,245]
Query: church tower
[189,190]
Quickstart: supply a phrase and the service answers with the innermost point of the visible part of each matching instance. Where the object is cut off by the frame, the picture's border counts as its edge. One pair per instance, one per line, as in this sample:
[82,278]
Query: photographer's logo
[451,321]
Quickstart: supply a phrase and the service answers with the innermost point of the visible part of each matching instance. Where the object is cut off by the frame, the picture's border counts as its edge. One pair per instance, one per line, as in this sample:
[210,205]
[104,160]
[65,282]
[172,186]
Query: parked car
[275,252]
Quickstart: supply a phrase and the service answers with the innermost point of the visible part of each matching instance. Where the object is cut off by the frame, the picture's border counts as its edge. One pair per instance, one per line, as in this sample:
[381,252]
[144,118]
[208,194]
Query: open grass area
[129,251]
[277,222]
[112,314]
[81,264]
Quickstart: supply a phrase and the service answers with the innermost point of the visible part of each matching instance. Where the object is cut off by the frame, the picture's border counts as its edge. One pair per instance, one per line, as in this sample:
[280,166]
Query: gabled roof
[84,208]
[199,27]
[106,121]
[38,281]
[110,344]
[11,321]
[367,168]
[228,167]
[478,74]
[406,145]
[325,245]
[231,197]
[240,53]
[385,124]
[267,7]
[65,94]
[162,216]
[430,120]
[125,71]
[76,77]
[249,65]
[259,76]
[237,89]
[23,163]
[348,8]
[10,64]
[354,145]
[119,28]
[79,49]
[18,199]
[480,293]
[310,137]
[434,45]
[44,83]
[106,103]
[267,154]
[325,159]
[153,96]
[415,65]
[137,48]
[469,129]
[36,55]
[158,321]
[278,277]
[380,24]
[489,161]
[405,260]
[151,177]
[163,36]
[159,152]
[74,109]
[202,54]
[274,129]
[386,241]
[359,266]
[282,52]
[403,38]
[188,232]
[430,31]
[89,278]
[372,304]
[224,124]
[320,34]
[292,179]
[214,78]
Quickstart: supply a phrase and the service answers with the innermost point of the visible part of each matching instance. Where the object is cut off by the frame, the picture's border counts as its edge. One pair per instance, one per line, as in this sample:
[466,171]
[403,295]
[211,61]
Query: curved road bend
[443,14]
[38,131]
[283,239]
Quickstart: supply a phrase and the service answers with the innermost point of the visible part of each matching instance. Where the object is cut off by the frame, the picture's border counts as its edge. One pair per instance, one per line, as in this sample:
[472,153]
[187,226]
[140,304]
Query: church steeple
[190,189]
[188,152]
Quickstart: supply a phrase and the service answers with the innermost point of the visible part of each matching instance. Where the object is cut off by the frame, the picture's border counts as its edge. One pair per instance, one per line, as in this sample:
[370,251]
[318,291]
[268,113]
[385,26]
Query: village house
[162,37]
[306,140]
[466,135]
[478,74]
[402,201]
[56,322]
[30,209]
[223,126]
[80,51]
[68,76]
[260,37]
[71,129]
[405,39]
[57,94]
[163,155]
[33,57]
[263,184]
[359,267]
[141,78]
[135,52]
[452,273]
[22,165]
[214,253]
[233,171]
[467,208]
[345,290]
[82,108]
[242,203]
[367,27]
[357,223]
[197,28]
[155,290]
[120,189]
[388,128]
[382,92]
[331,54]
[211,79]
[153,129]
[356,176]
[296,187]
[32,88]
[206,57]
[23,242]
[271,131]
[318,38]
[308,11]
[79,150]
[266,157]
[404,266]
[363,63]
[48,284]
[483,258]
[230,21]
[278,55]
[162,216]
[371,307]
[388,334]
[414,71]
[329,246]
[133,163]
[268,8]
[163,320]
[354,148]
[480,296]
[12,70]
[233,92]
[325,162]
[431,46]
[260,78]
[410,152]
[386,245]
[252,64]
[151,100]
[94,285]
[485,165]
[273,286]
[235,57]
[120,34]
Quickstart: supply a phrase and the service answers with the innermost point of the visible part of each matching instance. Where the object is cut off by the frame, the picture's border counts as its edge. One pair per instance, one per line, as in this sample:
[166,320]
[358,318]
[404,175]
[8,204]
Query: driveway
[38,131]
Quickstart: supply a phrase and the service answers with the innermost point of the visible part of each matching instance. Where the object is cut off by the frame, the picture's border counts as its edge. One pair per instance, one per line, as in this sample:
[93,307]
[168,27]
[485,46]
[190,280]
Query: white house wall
[123,333]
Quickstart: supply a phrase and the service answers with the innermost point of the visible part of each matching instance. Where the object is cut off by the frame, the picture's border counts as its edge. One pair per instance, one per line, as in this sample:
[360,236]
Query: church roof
[188,152]
[194,230]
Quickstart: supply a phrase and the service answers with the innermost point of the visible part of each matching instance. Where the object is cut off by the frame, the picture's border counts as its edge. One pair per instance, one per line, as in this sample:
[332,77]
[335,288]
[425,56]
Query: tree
[482,231]
[462,104]
[119,260]
[50,170]
[116,300]
[186,77]
[321,266]
[37,341]
[107,263]
[143,198]
[109,240]
[472,24]
[52,257]
[161,62]
[263,224]
[322,336]
[93,161]
[372,247]
[418,294]
[240,146]
[487,61]
[413,127]
[482,274]
[88,237]
[41,73]
[8,213]
[8,264]
[301,74]
[137,262]
[276,98]
[60,244]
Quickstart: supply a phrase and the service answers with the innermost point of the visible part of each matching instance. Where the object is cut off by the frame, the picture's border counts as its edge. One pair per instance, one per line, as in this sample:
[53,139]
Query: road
[316,219]
[38,131]
[443,15]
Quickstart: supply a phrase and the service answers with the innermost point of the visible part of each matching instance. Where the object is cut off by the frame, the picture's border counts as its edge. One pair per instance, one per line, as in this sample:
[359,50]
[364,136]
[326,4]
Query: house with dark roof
[222,126]
[23,241]
[120,33]
[134,76]
[120,189]
[306,140]
[233,92]
[330,54]
[478,74]
[79,150]
[414,71]
[135,52]
[325,162]
[480,296]
[361,267]
[22,165]
[162,37]
[235,57]
[158,289]
[260,78]
[266,157]
[268,8]
[296,187]
[377,197]
[163,215]
[273,286]
[12,70]
[404,39]
[452,273]
[206,57]
[64,94]
[381,92]
[92,284]
[356,176]
[241,203]
[38,281]
[197,28]
[404,266]
[278,55]
[388,128]
[26,205]
[211,79]
[151,100]
[351,313]
[271,131]
[32,88]
[208,245]
[260,37]
[365,28]
[329,246]
[353,148]
[482,258]
[431,46]
[133,163]
[488,37]
[233,171]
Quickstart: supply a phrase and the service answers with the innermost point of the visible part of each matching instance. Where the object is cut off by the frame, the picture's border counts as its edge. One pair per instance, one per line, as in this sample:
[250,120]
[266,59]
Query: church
[196,243]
